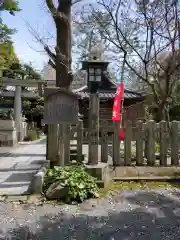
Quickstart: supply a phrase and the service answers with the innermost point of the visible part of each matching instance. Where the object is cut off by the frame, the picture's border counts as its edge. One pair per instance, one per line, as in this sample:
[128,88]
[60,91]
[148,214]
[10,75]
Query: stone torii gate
[18,94]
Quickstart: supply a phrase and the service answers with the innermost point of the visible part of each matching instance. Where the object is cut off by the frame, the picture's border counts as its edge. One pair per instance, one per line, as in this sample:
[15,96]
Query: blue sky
[26,47]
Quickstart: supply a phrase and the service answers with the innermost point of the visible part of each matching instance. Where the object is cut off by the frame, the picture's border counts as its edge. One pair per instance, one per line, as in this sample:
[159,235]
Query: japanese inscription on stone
[60,107]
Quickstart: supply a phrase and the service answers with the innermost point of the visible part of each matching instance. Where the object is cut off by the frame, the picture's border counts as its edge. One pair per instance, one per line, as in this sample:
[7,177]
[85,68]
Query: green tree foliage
[22,71]
[7,56]
[7,53]
[5,31]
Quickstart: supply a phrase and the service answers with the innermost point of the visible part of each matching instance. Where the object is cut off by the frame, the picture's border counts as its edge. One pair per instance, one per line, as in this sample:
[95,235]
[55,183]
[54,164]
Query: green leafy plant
[37,111]
[26,105]
[79,184]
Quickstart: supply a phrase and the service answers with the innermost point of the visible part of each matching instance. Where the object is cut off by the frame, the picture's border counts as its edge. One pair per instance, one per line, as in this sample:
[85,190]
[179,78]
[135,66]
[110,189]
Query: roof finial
[97,53]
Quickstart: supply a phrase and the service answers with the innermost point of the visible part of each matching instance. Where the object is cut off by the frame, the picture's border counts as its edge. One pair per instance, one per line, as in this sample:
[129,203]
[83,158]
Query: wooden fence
[146,138]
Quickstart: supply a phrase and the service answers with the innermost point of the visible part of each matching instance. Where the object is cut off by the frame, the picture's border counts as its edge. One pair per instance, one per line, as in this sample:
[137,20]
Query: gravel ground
[130,215]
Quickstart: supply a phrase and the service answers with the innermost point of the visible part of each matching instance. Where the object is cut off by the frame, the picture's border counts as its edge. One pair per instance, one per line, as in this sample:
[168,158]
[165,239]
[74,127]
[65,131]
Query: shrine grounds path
[19,165]
[130,215]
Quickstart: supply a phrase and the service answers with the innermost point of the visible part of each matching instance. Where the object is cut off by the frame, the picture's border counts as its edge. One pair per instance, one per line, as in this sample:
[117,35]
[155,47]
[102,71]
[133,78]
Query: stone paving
[18,167]
[5,150]
[131,215]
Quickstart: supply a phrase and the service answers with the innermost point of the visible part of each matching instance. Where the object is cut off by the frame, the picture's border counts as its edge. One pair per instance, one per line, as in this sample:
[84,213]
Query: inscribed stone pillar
[18,111]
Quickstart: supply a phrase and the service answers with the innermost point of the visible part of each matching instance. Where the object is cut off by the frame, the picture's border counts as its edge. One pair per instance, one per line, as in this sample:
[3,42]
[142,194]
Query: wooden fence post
[60,155]
[116,144]
[145,127]
[66,143]
[139,143]
[151,157]
[93,129]
[52,146]
[175,143]
[104,143]
[127,144]
[80,141]
[163,143]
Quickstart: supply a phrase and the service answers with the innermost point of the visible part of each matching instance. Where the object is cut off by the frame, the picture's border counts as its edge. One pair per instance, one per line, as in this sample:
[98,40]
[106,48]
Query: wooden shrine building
[133,107]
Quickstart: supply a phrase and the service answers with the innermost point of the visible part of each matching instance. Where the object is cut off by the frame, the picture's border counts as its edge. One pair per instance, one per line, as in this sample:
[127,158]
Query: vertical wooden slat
[60,155]
[52,143]
[116,145]
[66,143]
[151,157]
[127,144]
[145,127]
[163,143]
[104,142]
[139,143]
[175,143]
[47,141]
[80,141]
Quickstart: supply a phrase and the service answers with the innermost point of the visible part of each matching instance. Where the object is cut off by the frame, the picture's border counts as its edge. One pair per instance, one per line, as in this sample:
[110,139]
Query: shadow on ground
[145,215]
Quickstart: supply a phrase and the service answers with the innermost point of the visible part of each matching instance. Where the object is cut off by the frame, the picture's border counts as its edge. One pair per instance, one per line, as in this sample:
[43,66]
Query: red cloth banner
[116,116]
[117,102]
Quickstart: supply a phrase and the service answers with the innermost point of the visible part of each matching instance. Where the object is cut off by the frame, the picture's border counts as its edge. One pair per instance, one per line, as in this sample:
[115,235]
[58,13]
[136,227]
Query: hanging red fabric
[117,102]
[116,116]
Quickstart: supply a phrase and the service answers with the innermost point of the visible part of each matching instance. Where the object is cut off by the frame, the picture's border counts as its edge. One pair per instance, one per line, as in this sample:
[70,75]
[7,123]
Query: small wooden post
[163,143]
[139,143]
[52,143]
[93,129]
[145,127]
[80,140]
[47,141]
[104,143]
[151,157]
[127,144]
[116,145]
[175,143]
[60,155]
[66,143]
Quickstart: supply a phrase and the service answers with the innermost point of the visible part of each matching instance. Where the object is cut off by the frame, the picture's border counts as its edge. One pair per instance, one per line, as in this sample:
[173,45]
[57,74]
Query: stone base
[37,183]
[142,173]
[8,138]
[101,172]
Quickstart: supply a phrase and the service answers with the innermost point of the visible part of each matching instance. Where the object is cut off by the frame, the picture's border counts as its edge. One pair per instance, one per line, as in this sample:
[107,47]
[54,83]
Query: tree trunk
[63,47]
[63,60]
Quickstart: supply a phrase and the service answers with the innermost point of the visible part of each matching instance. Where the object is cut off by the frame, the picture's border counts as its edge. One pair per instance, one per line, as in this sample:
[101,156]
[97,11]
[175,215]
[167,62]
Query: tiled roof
[109,95]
